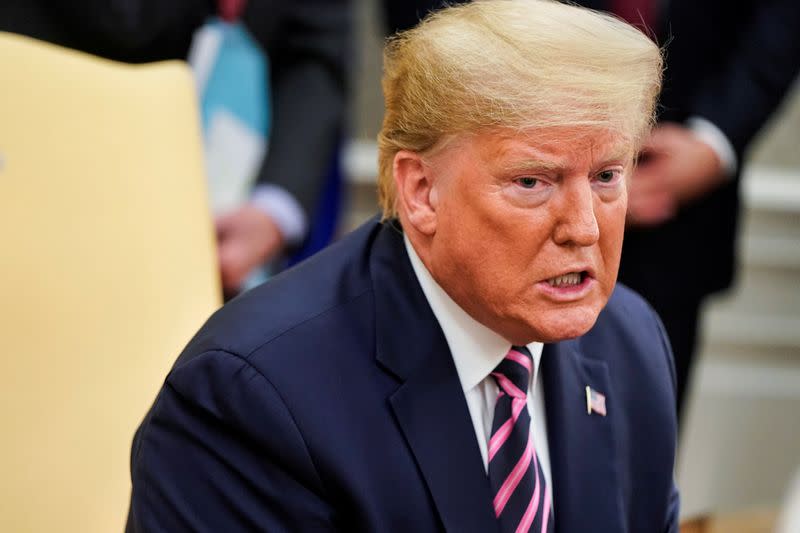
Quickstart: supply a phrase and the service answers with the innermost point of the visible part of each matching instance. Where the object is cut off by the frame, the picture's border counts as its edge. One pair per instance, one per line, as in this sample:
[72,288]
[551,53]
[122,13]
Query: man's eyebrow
[530,164]
[623,153]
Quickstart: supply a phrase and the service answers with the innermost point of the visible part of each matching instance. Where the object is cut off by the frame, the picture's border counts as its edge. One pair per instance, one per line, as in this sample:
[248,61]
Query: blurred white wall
[742,440]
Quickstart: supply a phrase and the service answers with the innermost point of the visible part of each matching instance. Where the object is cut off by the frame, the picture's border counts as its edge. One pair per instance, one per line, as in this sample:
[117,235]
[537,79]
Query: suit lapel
[583,451]
[433,415]
[429,404]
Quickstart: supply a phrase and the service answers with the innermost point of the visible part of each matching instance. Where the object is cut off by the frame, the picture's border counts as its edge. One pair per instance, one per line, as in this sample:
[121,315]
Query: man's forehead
[553,146]
[555,138]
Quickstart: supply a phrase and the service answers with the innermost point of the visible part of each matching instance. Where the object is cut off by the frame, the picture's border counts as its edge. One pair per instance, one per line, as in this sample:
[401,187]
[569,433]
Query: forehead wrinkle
[525,155]
[554,151]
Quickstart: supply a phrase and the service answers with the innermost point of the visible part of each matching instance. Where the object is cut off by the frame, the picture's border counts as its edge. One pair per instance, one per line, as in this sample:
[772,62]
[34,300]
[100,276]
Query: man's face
[529,228]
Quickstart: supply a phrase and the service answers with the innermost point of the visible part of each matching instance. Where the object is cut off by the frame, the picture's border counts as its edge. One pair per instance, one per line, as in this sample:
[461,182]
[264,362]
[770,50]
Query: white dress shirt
[710,134]
[476,351]
[284,209]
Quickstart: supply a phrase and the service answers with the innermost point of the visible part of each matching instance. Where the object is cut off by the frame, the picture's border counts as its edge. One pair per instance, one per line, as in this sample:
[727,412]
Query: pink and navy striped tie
[521,501]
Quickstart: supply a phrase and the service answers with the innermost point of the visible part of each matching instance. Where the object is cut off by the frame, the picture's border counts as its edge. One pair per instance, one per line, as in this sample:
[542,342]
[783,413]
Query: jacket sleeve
[308,52]
[673,512]
[220,451]
[672,517]
[761,67]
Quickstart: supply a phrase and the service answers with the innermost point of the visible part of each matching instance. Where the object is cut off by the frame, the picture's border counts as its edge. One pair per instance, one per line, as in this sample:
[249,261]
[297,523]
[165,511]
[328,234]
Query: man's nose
[576,222]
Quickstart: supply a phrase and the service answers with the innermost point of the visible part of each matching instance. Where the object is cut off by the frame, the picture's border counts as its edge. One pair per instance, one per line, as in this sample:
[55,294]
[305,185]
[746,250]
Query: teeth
[573,278]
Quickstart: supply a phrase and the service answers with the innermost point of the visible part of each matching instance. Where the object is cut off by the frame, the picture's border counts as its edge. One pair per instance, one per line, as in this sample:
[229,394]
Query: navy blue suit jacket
[327,399]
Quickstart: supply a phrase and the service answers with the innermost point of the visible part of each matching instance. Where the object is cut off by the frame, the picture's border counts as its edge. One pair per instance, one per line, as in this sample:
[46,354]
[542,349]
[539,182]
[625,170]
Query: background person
[307,42]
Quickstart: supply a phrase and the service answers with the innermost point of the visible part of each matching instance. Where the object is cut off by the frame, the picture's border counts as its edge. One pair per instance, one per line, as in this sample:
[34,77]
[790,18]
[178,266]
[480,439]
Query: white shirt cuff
[707,132]
[284,210]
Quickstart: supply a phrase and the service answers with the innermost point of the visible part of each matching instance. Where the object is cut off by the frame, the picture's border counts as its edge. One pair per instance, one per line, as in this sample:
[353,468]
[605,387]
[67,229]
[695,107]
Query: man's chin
[562,326]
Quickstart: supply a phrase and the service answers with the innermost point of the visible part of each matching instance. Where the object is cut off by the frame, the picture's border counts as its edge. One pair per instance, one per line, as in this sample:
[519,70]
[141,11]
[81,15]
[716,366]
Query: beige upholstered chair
[107,267]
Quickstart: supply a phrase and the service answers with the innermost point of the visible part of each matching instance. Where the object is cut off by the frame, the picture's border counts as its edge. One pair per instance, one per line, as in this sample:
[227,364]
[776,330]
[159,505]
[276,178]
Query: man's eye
[606,176]
[528,182]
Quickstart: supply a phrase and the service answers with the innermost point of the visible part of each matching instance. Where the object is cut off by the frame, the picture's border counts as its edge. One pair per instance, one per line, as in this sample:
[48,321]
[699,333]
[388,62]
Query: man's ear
[416,191]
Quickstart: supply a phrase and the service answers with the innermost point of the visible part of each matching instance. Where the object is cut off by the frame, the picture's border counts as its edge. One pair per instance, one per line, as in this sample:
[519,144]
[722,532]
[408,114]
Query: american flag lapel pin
[595,402]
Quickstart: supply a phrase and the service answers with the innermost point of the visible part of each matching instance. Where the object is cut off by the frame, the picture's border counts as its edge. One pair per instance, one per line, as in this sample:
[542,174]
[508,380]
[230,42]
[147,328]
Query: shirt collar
[476,349]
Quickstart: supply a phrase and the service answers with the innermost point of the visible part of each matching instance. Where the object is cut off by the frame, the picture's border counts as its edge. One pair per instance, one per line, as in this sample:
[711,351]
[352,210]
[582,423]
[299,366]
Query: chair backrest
[107,267]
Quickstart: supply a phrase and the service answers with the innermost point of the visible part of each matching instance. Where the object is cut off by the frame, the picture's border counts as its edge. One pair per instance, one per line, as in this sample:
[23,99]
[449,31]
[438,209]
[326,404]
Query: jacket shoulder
[628,312]
[630,323]
[329,280]
[628,305]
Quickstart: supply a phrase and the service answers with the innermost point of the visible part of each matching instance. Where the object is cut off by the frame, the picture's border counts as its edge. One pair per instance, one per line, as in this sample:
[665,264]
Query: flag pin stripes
[595,402]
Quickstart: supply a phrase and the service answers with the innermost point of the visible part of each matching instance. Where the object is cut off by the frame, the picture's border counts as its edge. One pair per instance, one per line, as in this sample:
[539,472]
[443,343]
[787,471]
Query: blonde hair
[512,64]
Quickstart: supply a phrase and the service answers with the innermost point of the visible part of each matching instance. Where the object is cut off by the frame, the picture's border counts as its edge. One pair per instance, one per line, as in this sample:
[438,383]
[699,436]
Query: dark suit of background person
[399,15]
[307,43]
[343,411]
[729,63]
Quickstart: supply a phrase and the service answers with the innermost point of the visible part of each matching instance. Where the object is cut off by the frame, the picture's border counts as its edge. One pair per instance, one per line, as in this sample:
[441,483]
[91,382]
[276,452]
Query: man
[307,43]
[728,67]
[466,364]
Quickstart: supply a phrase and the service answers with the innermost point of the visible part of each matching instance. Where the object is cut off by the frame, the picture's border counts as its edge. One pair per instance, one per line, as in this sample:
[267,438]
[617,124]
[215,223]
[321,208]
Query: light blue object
[232,73]
[238,80]
[232,78]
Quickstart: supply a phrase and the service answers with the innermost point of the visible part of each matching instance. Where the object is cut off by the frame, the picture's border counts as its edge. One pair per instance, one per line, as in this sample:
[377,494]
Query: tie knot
[513,372]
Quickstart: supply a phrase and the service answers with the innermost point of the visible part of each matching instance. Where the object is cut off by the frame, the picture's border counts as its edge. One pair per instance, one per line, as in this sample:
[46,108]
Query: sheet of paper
[233,158]
[203,54]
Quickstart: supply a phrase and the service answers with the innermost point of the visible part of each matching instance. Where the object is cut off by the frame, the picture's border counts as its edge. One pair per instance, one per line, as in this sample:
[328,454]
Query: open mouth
[570,279]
